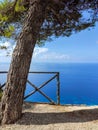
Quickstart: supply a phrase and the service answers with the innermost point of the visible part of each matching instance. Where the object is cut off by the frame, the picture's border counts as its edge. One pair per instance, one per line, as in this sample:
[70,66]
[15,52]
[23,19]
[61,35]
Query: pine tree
[36,21]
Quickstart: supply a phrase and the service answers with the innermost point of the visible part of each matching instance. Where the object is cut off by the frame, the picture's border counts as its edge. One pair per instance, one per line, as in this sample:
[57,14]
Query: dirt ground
[54,117]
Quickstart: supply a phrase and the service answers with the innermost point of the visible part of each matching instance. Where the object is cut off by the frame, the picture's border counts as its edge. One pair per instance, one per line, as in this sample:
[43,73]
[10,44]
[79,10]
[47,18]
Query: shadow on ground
[78,116]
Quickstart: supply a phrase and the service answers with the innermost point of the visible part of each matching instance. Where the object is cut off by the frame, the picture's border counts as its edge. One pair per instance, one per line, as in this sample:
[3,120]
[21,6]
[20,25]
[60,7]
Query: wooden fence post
[58,89]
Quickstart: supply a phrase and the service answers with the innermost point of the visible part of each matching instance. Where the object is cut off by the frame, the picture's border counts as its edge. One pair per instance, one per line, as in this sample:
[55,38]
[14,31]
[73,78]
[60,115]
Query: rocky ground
[54,117]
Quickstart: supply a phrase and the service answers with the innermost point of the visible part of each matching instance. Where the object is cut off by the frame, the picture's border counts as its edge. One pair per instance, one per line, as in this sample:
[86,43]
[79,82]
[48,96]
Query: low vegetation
[1,93]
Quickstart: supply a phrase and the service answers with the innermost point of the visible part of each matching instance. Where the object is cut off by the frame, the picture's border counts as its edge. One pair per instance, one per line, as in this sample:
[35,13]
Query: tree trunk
[11,105]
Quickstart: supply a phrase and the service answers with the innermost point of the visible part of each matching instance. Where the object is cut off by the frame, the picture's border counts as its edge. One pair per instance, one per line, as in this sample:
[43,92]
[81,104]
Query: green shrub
[1,93]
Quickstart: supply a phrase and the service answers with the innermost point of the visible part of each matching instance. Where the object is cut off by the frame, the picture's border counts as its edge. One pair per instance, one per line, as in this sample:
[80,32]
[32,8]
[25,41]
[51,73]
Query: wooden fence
[37,89]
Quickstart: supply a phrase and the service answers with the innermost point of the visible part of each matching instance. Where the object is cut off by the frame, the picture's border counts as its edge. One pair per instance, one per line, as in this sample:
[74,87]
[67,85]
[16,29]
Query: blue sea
[78,82]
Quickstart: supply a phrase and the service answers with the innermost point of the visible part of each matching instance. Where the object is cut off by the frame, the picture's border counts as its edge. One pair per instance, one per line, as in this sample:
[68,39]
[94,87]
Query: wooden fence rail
[55,75]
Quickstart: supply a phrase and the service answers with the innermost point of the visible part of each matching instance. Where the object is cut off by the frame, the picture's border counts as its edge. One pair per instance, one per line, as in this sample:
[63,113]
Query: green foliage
[3,7]
[3,18]
[19,7]
[11,28]
[11,12]
[3,47]
[3,4]
[1,93]
[8,32]
[62,17]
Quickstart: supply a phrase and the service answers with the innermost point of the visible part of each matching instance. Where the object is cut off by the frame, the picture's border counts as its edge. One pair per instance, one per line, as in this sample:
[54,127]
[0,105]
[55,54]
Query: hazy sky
[80,47]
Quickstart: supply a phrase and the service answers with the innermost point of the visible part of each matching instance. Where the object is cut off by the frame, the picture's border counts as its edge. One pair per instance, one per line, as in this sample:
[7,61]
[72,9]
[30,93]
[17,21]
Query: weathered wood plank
[41,92]
[1,86]
[41,86]
[58,89]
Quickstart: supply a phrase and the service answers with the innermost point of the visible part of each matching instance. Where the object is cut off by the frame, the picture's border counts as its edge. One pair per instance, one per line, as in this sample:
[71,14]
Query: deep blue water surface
[78,82]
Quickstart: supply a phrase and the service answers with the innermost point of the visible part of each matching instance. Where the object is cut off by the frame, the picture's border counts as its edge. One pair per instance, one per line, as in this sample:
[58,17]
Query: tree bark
[12,100]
